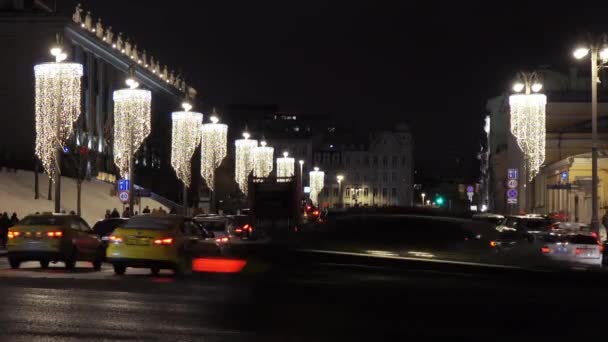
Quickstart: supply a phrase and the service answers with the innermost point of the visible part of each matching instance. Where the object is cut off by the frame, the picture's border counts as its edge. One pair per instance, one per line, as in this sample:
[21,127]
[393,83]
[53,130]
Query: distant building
[377,169]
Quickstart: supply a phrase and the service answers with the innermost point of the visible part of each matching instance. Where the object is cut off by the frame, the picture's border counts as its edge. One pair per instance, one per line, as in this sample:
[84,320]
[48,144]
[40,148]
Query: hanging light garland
[214,143]
[528,122]
[58,90]
[285,168]
[317,179]
[185,138]
[262,160]
[244,160]
[131,123]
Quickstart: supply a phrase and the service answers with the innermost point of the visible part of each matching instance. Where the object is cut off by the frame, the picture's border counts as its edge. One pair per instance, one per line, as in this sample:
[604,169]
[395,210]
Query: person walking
[14,219]
[108,214]
[146,210]
[115,214]
[5,223]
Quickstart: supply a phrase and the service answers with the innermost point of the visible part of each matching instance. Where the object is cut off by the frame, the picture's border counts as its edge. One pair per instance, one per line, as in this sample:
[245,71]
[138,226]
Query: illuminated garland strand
[185,137]
[243,162]
[263,160]
[214,142]
[317,179]
[57,97]
[285,168]
[528,126]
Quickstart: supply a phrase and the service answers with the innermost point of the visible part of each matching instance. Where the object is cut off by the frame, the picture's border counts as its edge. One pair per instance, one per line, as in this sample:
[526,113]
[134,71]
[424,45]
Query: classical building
[563,184]
[377,170]
[29,30]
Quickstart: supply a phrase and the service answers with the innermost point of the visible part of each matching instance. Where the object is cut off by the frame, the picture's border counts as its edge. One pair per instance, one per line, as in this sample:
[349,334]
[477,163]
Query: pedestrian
[126,213]
[108,214]
[14,219]
[115,214]
[72,212]
[146,210]
[162,210]
[4,224]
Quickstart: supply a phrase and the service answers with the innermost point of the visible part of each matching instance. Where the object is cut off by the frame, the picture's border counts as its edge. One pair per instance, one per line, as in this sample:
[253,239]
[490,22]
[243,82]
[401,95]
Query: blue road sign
[512,193]
[513,174]
[123,185]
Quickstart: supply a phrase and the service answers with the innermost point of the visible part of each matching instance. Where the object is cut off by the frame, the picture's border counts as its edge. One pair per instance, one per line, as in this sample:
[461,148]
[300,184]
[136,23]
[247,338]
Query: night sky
[430,64]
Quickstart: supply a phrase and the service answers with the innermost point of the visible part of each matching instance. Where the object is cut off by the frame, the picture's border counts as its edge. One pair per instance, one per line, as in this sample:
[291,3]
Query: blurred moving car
[533,224]
[581,248]
[54,237]
[104,228]
[489,217]
[160,241]
[219,225]
[243,228]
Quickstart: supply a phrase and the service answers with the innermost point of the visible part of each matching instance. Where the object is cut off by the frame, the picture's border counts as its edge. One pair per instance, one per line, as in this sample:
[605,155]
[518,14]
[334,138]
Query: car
[161,241]
[52,237]
[219,225]
[104,228]
[243,228]
[580,248]
[533,224]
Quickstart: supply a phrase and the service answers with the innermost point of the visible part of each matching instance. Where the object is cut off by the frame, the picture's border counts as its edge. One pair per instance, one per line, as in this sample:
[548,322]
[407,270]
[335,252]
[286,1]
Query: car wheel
[70,261]
[155,271]
[44,264]
[119,269]
[14,263]
[97,265]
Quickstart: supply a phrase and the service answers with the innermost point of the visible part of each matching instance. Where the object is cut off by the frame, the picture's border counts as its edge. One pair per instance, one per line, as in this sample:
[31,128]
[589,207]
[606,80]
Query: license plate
[138,242]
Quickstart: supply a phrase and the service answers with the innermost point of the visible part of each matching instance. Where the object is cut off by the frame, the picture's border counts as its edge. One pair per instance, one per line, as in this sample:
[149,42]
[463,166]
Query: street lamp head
[263,143]
[423,194]
[316,169]
[604,54]
[301,162]
[132,83]
[581,52]
[214,119]
[246,135]
[57,52]
[518,87]
[187,106]
[536,87]
[339,178]
[285,154]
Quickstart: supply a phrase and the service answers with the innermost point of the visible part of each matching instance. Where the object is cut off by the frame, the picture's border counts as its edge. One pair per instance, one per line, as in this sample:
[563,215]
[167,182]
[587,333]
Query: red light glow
[545,249]
[493,244]
[218,265]
[54,234]
[238,230]
[166,241]
[222,240]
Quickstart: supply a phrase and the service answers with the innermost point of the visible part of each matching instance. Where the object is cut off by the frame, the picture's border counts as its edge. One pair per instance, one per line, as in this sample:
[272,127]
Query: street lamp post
[599,52]
[340,178]
[423,195]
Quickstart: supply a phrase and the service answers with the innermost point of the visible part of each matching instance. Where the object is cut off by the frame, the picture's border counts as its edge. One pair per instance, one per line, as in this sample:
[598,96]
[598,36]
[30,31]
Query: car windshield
[43,221]
[152,222]
[533,224]
[582,240]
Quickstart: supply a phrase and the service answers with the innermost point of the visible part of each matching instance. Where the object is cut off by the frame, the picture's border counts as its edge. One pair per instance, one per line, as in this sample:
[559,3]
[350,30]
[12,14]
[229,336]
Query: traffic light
[439,201]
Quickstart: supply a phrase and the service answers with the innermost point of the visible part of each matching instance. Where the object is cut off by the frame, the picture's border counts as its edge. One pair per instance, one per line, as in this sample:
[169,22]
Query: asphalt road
[302,301]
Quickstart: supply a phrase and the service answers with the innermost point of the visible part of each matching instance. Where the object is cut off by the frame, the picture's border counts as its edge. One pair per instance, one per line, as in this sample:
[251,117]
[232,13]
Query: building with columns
[563,184]
[29,30]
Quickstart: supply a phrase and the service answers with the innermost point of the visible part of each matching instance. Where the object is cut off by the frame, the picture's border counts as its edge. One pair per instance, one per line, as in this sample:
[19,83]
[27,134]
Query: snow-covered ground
[17,195]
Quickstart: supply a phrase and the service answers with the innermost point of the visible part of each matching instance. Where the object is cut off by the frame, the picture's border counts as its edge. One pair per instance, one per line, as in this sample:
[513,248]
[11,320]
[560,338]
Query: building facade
[377,171]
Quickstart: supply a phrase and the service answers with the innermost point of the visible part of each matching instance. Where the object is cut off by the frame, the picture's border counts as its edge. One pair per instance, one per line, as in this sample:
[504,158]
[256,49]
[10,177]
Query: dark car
[243,227]
[533,224]
[104,228]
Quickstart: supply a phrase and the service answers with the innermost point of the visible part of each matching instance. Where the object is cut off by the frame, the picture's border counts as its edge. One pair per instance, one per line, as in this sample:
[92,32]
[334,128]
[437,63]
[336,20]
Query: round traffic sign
[123,196]
[512,183]
[470,188]
[512,193]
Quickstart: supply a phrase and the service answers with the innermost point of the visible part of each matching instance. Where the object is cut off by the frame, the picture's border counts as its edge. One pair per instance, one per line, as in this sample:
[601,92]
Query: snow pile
[17,195]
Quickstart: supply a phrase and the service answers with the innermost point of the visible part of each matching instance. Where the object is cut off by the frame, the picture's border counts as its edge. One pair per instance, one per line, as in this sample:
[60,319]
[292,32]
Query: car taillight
[166,241]
[222,240]
[545,249]
[493,244]
[316,213]
[115,239]
[594,234]
[54,234]
[238,230]
[12,234]
[578,251]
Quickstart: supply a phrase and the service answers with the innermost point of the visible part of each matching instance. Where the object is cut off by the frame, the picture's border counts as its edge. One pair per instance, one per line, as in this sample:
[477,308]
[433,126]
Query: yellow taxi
[161,241]
[53,237]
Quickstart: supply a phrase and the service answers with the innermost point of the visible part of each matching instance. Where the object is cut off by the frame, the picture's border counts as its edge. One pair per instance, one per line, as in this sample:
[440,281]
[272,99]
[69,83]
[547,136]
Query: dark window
[385,161]
[365,192]
[384,192]
[394,161]
[375,192]
[366,160]
[393,177]
[336,194]
[403,161]
[375,160]
[394,192]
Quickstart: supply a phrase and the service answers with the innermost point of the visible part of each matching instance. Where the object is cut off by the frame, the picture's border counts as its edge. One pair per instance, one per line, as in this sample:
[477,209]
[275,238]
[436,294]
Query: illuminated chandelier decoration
[244,160]
[185,139]
[58,90]
[317,179]
[528,121]
[132,108]
[285,168]
[214,142]
[262,160]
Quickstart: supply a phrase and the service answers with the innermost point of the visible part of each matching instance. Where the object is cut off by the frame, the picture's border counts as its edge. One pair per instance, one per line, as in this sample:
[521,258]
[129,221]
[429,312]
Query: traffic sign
[513,174]
[512,196]
[123,196]
[512,183]
[124,185]
[470,188]
[511,200]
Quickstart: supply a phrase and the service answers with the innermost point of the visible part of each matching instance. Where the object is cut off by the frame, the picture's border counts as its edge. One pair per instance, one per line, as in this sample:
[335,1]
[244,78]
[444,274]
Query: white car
[577,248]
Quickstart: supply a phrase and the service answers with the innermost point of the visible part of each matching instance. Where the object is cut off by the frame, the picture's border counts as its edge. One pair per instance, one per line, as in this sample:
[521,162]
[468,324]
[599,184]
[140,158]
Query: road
[318,301]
